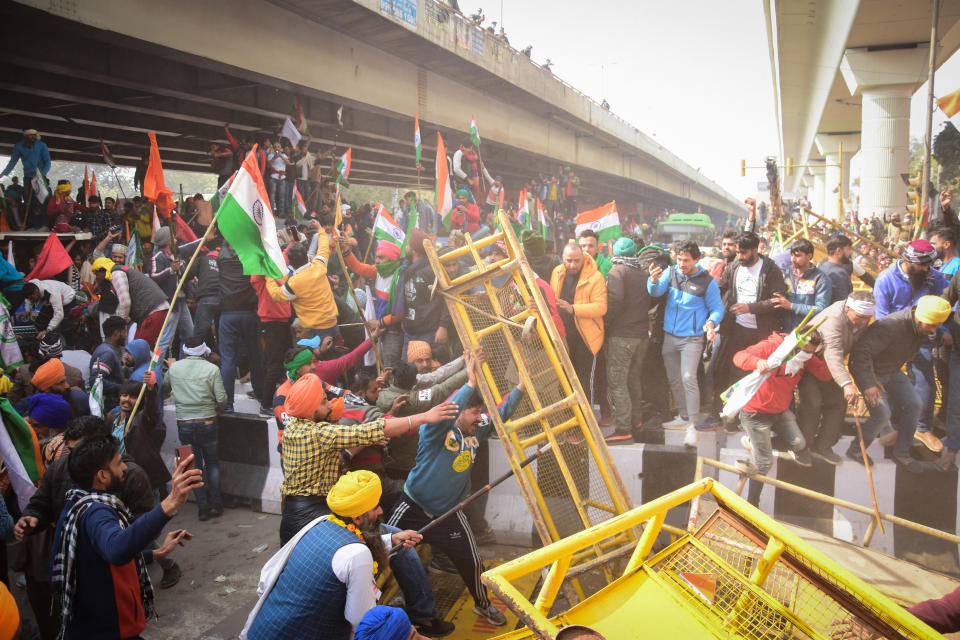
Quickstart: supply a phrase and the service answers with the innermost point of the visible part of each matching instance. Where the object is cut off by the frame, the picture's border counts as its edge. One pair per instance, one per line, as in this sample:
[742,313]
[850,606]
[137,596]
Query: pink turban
[388,250]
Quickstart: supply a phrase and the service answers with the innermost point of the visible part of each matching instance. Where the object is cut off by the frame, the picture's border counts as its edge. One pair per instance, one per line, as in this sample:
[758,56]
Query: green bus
[686,226]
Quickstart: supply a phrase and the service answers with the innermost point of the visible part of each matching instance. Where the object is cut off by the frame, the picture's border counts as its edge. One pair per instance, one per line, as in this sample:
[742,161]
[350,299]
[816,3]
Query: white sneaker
[677,423]
[492,614]
[691,438]
[746,444]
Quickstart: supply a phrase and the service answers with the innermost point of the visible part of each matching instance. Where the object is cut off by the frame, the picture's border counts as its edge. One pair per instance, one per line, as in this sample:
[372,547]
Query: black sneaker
[252,395]
[803,458]
[266,412]
[854,454]
[827,456]
[440,563]
[436,628]
[204,515]
[911,465]
[215,512]
[171,576]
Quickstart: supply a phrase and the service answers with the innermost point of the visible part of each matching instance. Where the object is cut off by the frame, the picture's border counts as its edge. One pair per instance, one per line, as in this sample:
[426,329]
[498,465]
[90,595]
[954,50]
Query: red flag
[154,188]
[52,260]
[184,232]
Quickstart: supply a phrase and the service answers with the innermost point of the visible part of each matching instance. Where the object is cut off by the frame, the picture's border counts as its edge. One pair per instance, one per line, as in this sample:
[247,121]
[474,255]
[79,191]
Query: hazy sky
[695,74]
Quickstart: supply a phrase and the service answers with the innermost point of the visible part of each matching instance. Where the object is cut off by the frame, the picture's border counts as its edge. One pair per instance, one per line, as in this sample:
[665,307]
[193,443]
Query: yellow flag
[950,104]
[338,220]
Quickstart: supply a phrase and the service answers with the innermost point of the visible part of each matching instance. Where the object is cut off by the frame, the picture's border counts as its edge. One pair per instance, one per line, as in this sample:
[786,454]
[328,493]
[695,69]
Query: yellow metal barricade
[498,306]
[740,575]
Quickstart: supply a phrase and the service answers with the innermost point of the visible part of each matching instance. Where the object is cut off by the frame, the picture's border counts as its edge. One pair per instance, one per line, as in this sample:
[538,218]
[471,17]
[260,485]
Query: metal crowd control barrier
[837,502]
[740,575]
[498,307]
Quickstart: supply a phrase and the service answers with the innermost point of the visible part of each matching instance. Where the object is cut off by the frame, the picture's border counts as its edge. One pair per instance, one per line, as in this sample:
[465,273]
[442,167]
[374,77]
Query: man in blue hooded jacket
[692,313]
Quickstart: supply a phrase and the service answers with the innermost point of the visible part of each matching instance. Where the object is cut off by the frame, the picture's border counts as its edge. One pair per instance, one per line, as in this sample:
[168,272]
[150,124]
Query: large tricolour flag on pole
[246,222]
[20,450]
[605,221]
[342,170]
[444,192]
[301,207]
[523,208]
[416,137]
[474,132]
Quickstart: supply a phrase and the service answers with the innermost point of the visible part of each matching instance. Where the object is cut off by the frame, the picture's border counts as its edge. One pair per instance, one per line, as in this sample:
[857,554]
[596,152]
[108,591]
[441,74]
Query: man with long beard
[899,287]
[321,583]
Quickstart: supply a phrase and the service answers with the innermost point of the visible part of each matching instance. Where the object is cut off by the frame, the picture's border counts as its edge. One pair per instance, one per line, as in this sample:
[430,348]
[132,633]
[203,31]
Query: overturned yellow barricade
[740,575]
[498,306]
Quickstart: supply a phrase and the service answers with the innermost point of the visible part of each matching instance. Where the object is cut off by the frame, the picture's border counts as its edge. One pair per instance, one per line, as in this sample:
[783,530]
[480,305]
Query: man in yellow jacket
[582,301]
[308,288]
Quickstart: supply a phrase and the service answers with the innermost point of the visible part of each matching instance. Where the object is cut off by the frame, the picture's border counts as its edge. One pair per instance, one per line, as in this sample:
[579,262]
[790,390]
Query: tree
[944,160]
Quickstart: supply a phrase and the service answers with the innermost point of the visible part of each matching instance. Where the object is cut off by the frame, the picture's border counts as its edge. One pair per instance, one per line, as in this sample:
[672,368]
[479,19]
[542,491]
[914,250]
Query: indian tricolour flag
[342,170]
[246,222]
[386,228]
[542,216]
[20,450]
[474,132]
[134,253]
[416,137]
[523,208]
[301,207]
[444,192]
[605,221]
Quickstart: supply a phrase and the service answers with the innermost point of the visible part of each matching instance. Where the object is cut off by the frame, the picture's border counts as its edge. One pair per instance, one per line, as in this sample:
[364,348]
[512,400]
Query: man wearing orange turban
[50,376]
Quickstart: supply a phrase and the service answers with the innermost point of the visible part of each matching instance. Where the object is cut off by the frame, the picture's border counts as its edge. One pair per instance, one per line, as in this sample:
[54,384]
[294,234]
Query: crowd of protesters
[656,335]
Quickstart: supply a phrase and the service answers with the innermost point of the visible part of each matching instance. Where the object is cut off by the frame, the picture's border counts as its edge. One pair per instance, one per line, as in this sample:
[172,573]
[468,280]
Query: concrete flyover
[843,73]
[87,69]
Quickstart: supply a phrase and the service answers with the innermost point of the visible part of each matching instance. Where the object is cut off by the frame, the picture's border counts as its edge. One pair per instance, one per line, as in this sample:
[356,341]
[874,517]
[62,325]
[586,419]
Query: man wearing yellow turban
[876,364]
[321,583]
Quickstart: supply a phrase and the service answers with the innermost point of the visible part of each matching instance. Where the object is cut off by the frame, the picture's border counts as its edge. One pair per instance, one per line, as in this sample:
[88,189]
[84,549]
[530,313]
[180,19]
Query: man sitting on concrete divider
[769,409]
[322,582]
[823,404]
[440,479]
[876,363]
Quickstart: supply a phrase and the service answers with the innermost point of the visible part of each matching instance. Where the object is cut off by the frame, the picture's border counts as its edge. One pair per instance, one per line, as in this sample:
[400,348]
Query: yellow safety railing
[775,549]
[837,502]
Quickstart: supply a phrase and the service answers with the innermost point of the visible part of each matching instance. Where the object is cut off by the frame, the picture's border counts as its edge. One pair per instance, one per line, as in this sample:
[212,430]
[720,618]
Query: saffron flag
[605,221]
[53,259]
[93,186]
[290,131]
[442,185]
[154,188]
[20,450]
[386,228]
[96,395]
[184,232]
[86,186]
[301,209]
[950,103]
[474,132]
[341,172]
[246,222]
[107,156]
[416,137]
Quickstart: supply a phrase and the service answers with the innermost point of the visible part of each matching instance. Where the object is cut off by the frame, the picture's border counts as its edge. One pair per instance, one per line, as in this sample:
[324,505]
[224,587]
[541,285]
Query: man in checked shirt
[312,442]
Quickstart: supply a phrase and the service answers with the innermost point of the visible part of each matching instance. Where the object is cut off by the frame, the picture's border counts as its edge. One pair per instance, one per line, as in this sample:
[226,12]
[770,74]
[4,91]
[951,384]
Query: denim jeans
[412,579]
[681,357]
[333,332]
[391,348]
[204,438]
[240,332]
[900,407]
[952,441]
[276,191]
[624,360]
[820,412]
[759,427]
[208,312]
[179,318]
[921,371]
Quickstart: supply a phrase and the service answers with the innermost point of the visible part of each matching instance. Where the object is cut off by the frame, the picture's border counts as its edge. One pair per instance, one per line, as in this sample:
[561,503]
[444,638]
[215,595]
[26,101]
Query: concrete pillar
[886,80]
[837,150]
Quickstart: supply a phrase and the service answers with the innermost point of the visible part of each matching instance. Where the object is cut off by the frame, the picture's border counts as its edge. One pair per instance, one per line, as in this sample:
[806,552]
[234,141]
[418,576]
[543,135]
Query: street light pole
[925,180]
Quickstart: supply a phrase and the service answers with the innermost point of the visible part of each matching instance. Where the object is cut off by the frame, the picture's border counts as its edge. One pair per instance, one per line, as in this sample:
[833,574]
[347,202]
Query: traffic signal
[913,195]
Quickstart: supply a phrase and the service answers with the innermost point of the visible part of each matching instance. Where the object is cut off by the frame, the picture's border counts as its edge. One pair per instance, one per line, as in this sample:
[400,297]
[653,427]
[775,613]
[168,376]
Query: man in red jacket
[466,215]
[769,409]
